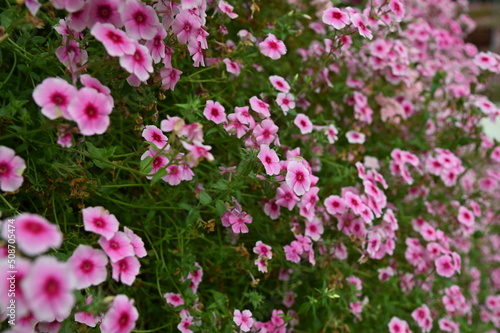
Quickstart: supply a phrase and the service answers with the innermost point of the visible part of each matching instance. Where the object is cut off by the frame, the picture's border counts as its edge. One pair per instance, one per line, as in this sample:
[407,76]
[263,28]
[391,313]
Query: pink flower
[285,197]
[303,123]
[360,21]
[184,325]
[263,250]
[173,176]
[117,247]
[238,222]
[422,316]
[186,26]
[272,47]
[285,102]
[100,221]
[90,110]
[136,242]
[54,95]
[88,266]
[227,9]
[265,132]
[87,318]
[11,170]
[155,135]
[156,46]
[174,299]
[22,267]
[298,178]
[126,269]
[279,83]
[397,8]
[397,325]
[140,20]
[115,41]
[120,317]
[243,319]
[232,67]
[314,229]
[336,18]
[170,77]
[465,216]
[260,106]
[214,111]
[48,287]
[91,82]
[68,5]
[34,234]
[197,153]
[270,160]
[355,137]
[104,11]
[335,205]
[138,62]
[444,266]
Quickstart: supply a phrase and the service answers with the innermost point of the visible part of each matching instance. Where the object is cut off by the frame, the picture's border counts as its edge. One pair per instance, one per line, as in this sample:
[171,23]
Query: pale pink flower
[34,234]
[238,222]
[265,132]
[279,83]
[355,137]
[100,221]
[87,318]
[138,62]
[336,18]
[190,4]
[156,45]
[465,216]
[298,177]
[88,266]
[314,229]
[285,197]
[397,325]
[215,112]
[243,319]
[54,95]
[397,8]
[174,299]
[272,47]
[444,266]
[115,41]
[120,317]
[263,250]
[227,9]
[126,269]
[232,67]
[48,287]
[303,123]
[117,247]
[335,205]
[170,77]
[90,110]
[270,160]
[153,134]
[186,26]
[140,20]
[285,102]
[485,60]
[103,11]
[331,133]
[197,153]
[245,117]
[11,170]
[68,5]
[360,21]
[136,242]
[33,6]
[91,82]
[260,106]
[174,175]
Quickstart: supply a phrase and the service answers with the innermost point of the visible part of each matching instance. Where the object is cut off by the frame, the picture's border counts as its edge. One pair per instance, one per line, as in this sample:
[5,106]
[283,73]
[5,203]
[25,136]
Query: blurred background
[486,36]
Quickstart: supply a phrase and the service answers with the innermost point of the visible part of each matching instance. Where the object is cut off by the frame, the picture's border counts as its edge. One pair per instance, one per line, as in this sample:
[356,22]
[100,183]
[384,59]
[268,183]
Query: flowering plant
[208,166]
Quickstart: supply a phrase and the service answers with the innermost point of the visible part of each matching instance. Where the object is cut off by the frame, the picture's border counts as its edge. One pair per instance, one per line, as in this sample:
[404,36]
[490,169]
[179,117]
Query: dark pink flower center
[187,27]
[58,99]
[124,318]
[34,227]
[87,266]
[104,11]
[156,162]
[98,222]
[114,37]
[299,176]
[337,15]
[138,56]
[91,111]
[139,17]
[268,160]
[114,245]
[215,112]
[123,265]
[4,169]
[273,45]
[156,137]
[52,286]
[303,123]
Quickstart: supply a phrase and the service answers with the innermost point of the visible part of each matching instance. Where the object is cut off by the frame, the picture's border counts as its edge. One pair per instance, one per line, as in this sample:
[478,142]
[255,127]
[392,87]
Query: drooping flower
[140,20]
[272,47]
[260,106]
[90,110]
[136,242]
[89,266]
[279,83]
[117,247]
[156,45]
[397,8]
[232,67]
[360,21]
[48,287]
[11,170]
[126,269]
[174,299]
[215,112]
[155,135]
[170,77]
[54,95]
[243,319]
[298,177]
[100,221]
[227,9]
[34,234]
[270,160]
[120,317]
[116,42]
[138,62]
[336,18]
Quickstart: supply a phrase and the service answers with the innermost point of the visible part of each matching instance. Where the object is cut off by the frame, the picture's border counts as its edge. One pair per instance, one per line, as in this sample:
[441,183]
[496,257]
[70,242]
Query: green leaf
[205,198]
[101,155]
[221,184]
[220,207]
[159,175]
[146,165]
